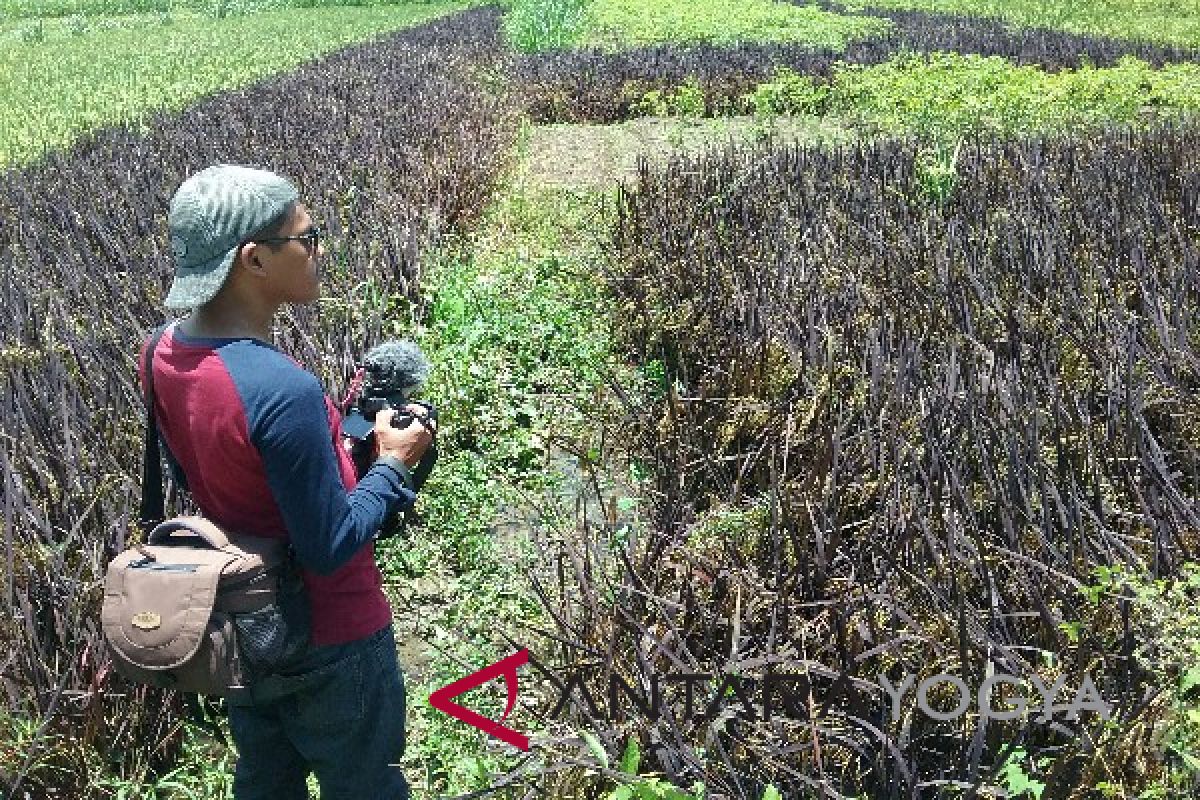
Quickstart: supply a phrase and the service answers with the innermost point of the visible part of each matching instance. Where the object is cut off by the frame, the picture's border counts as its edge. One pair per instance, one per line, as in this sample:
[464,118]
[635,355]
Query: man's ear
[253,258]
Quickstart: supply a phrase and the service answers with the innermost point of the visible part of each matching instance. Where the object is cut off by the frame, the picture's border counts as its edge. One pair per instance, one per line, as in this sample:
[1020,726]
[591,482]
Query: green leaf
[771,793]
[631,758]
[622,793]
[597,749]
[1190,760]
[1190,678]
[1016,781]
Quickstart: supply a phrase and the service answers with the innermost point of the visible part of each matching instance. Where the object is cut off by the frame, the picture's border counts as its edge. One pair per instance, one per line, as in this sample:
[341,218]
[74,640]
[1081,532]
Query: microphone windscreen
[399,364]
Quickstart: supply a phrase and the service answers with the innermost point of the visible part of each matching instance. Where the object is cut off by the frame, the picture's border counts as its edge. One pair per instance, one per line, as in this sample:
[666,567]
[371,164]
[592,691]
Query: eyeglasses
[310,238]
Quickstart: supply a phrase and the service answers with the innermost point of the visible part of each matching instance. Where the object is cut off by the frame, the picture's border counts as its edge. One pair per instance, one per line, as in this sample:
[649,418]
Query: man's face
[292,265]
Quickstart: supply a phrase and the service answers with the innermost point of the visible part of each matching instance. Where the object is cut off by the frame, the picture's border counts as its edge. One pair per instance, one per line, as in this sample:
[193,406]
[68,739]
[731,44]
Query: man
[256,442]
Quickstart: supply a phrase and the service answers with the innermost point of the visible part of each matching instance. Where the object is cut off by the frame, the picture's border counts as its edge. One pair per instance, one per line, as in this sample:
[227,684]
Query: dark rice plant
[393,144]
[896,433]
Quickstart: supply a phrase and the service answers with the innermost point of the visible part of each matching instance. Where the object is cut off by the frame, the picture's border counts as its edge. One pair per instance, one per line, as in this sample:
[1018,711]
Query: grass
[520,342]
[1168,21]
[623,23]
[518,349]
[534,25]
[63,81]
[597,156]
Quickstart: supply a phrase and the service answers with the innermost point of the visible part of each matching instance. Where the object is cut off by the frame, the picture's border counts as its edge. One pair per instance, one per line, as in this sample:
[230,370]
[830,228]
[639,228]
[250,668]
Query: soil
[598,156]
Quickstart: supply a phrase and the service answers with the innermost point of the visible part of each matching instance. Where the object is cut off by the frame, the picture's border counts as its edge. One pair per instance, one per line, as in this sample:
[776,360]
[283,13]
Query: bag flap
[156,612]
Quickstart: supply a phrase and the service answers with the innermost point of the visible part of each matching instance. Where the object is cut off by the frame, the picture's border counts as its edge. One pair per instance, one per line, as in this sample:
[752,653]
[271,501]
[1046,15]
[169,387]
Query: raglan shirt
[258,444]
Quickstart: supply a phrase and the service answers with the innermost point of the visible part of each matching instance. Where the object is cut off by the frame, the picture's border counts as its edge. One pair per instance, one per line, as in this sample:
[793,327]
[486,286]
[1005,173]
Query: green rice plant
[29,9]
[57,85]
[619,24]
[535,25]
[49,9]
[595,85]
[34,33]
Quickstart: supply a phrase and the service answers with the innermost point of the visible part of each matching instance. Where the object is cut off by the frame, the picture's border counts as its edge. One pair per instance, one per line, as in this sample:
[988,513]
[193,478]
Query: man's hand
[407,444]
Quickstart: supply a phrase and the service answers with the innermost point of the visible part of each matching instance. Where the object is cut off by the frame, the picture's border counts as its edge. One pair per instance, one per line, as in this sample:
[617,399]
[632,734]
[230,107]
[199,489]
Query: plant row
[942,96]
[596,85]
[1148,20]
[906,408]
[393,145]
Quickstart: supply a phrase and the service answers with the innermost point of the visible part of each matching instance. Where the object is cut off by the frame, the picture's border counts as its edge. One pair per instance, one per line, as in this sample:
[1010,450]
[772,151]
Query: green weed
[937,172]
[686,102]
[1017,781]
[647,787]
[787,93]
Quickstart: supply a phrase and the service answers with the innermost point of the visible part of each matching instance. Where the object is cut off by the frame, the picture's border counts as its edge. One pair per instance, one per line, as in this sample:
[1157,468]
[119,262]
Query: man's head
[240,229]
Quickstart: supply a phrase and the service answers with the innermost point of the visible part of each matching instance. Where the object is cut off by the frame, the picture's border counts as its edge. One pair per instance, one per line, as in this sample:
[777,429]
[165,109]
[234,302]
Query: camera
[390,374]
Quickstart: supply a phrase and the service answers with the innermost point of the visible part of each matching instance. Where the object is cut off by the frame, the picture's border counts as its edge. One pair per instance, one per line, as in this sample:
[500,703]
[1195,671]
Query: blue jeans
[336,711]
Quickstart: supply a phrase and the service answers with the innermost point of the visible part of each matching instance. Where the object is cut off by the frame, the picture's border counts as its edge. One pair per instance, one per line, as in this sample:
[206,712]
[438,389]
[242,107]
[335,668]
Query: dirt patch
[597,156]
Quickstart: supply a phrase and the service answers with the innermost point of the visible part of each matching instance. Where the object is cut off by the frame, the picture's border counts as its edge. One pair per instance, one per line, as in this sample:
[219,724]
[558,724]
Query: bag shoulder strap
[153,509]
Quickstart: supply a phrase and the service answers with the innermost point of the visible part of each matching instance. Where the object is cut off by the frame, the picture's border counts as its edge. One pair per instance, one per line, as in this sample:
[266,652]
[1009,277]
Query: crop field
[843,350]
[61,79]
[1151,20]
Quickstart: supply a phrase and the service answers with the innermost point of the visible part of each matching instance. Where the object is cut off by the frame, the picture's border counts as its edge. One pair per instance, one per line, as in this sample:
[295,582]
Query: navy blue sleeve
[289,425]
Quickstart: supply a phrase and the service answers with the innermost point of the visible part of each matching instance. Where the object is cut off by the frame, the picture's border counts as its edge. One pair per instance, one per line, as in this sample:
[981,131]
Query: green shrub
[686,101]
[787,93]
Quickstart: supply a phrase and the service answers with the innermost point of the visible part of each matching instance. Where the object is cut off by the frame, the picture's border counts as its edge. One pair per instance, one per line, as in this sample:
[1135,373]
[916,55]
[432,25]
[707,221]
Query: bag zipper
[160,567]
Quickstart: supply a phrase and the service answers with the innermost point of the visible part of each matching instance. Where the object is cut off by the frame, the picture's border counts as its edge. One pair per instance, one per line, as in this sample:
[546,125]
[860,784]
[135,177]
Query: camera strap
[354,390]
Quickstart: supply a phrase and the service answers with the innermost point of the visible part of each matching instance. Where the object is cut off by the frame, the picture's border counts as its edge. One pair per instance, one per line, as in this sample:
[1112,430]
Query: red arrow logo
[442,699]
